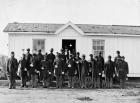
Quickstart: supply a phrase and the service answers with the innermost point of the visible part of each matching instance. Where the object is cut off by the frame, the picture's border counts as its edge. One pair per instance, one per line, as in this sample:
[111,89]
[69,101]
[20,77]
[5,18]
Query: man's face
[118,53]
[83,57]
[51,51]
[109,58]
[91,57]
[78,54]
[23,56]
[12,55]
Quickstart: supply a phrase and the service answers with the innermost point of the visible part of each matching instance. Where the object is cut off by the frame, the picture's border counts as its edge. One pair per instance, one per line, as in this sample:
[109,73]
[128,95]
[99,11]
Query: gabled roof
[67,25]
[85,28]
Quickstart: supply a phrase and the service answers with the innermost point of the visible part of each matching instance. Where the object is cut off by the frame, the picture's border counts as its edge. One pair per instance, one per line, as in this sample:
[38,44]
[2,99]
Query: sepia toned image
[69,51]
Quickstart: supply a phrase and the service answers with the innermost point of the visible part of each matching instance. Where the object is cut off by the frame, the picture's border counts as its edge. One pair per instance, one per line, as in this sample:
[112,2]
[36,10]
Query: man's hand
[69,65]
[62,72]
[42,68]
[50,72]
[31,65]
[25,69]
[56,66]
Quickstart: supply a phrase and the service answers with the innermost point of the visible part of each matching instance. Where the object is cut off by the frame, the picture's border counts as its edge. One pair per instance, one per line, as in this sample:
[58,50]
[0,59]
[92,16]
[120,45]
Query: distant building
[85,38]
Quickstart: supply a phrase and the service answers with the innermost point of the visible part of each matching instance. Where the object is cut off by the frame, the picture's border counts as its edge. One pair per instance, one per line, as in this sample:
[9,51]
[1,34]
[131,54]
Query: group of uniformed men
[95,73]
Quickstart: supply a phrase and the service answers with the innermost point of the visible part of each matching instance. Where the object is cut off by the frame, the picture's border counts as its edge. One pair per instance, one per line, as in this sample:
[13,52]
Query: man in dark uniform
[46,67]
[58,70]
[23,70]
[117,62]
[12,67]
[40,57]
[28,62]
[34,70]
[100,67]
[96,73]
[64,66]
[117,59]
[71,70]
[63,56]
[78,62]
[92,67]
[123,71]
[84,70]
[109,71]
[51,58]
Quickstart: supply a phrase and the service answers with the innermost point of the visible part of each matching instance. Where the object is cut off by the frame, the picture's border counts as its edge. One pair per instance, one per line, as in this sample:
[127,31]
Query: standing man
[78,62]
[123,71]
[62,55]
[51,58]
[12,67]
[100,67]
[58,71]
[64,66]
[92,67]
[109,71]
[71,70]
[46,67]
[34,71]
[28,63]
[117,61]
[84,70]
[23,70]
[40,57]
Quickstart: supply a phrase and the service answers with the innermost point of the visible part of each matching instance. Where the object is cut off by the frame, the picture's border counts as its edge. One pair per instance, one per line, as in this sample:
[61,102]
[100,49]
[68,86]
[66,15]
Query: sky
[105,12]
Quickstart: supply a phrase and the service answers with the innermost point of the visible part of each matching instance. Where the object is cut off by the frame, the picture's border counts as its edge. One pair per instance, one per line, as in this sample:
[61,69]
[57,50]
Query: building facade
[84,38]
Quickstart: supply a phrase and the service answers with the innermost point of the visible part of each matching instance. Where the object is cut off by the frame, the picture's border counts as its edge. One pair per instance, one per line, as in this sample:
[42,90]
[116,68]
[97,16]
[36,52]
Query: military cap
[83,55]
[39,50]
[28,49]
[77,53]
[12,52]
[51,49]
[109,56]
[118,51]
[91,55]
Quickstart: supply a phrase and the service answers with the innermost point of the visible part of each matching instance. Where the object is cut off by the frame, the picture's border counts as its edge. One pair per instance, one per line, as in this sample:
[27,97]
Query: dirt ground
[41,95]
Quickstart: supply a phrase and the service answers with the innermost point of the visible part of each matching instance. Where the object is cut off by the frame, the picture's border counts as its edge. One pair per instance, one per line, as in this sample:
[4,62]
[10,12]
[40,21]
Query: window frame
[97,45]
[43,51]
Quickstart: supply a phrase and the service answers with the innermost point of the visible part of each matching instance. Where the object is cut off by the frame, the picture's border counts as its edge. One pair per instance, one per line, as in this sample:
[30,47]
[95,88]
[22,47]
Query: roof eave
[11,32]
[115,34]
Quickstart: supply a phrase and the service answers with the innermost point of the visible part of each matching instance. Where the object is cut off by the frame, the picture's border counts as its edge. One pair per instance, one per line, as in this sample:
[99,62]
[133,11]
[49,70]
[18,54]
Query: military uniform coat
[40,57]
[35,65]
[71,67]
[51,58]
[28,58]
[22,66]
[12,67]
[84,67]
[109,69]
[58,63]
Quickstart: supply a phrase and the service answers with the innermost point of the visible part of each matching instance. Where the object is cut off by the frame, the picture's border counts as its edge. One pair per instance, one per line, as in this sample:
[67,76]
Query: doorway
[69,44]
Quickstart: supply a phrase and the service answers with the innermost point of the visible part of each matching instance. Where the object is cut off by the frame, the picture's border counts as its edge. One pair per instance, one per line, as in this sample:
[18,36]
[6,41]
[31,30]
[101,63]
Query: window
[38,44]
[98,46]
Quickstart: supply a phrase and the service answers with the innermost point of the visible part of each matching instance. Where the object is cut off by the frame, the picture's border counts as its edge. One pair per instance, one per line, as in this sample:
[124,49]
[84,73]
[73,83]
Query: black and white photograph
[69,51]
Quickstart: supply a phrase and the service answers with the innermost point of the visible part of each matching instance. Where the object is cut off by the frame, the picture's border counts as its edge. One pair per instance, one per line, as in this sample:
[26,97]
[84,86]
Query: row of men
[94,73]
